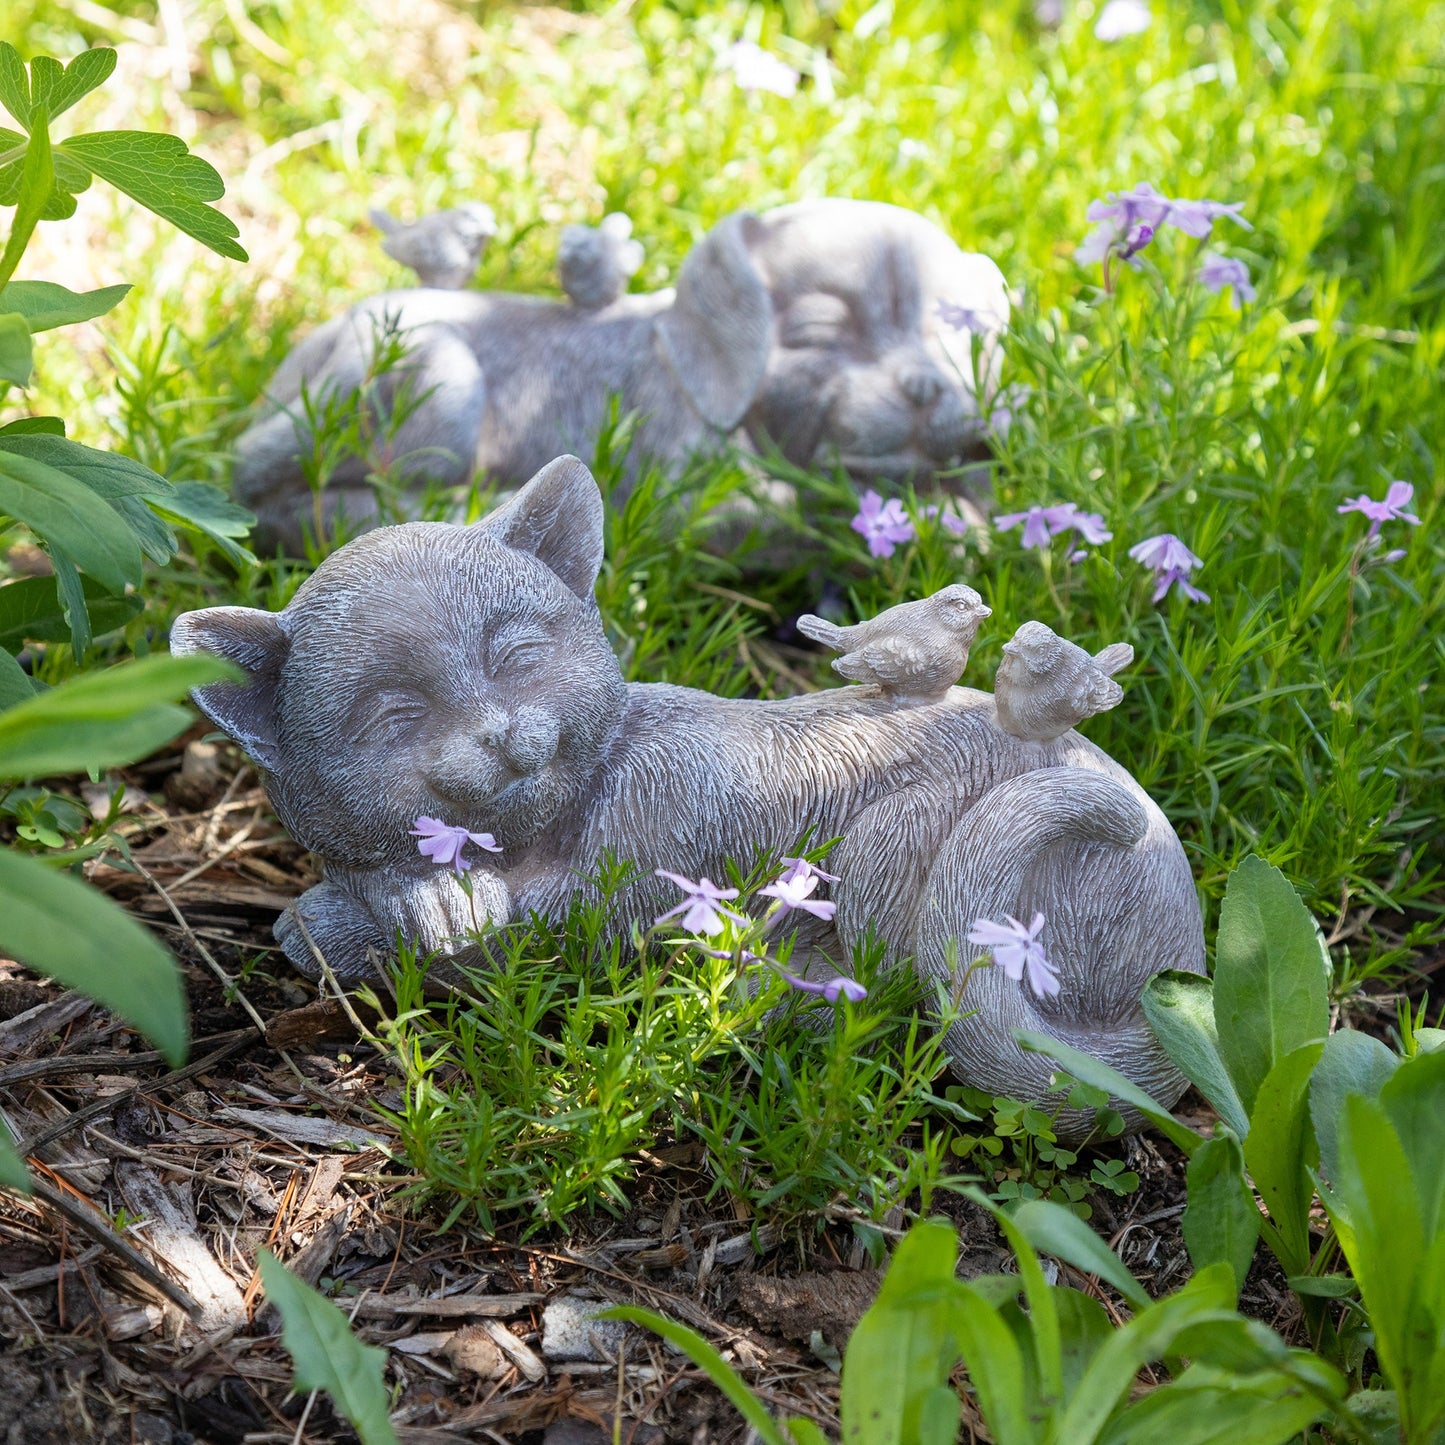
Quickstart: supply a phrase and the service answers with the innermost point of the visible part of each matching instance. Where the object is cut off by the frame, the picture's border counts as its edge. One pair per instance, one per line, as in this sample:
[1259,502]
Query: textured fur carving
[1046,685]
[464,673]
[812,327]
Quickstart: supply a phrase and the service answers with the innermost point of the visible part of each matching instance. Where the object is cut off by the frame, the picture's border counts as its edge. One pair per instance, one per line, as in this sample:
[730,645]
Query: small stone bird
[444,248]
[1046,685]
[595,263]
[915,651]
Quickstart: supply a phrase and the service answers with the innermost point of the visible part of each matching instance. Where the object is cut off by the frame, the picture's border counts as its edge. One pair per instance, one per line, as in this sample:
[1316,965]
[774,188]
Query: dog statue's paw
[329,923]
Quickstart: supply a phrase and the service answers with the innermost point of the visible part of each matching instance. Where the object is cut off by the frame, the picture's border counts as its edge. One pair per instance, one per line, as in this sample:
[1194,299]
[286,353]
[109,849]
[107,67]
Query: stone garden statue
[834,330]
[435,671]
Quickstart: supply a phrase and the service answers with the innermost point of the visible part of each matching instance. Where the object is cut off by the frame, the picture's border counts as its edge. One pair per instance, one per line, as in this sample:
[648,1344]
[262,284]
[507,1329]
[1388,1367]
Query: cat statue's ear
[557,517]
[257,643]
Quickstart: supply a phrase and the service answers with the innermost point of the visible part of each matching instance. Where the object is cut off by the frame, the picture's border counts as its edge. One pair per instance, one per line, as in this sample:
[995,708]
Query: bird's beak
[1010,647]
[983,610]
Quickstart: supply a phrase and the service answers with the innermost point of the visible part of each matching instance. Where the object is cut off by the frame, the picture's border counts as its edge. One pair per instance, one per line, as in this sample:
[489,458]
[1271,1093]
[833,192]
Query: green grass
[1297,714]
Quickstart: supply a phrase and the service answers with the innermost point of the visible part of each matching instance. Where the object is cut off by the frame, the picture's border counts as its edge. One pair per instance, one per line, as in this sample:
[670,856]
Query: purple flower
[960,318]
[1178,578]
[801,868]
[951,520]
[443,843]
[1127,221]
[1171,562]
[794,890]
[1017,951]
[1037,531]
[757,69]
[885,525]
[1390,509]
[1216,272]
[1043,524]
[848,988]
[1122,17]
[702,906]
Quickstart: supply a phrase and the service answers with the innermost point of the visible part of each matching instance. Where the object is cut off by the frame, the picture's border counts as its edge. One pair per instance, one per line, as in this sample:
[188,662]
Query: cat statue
[462,673]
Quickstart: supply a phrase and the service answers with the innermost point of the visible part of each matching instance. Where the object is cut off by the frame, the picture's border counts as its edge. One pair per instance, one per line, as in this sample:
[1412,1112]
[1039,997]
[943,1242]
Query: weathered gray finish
[1046,685]
[594,263]
[444,248]
[813,327]
[463,673]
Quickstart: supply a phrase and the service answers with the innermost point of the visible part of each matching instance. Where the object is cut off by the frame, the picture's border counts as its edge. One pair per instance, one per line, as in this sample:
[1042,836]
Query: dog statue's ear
[557,517]
[256,642]
[719,331]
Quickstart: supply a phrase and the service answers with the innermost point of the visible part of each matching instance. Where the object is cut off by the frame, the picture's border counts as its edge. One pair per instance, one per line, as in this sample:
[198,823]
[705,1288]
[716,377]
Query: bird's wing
[1114,658]
[821,630]
[1093,692]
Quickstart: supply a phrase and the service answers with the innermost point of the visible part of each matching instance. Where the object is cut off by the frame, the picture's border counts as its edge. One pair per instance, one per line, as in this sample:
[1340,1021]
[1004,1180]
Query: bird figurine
[595,262]
[443,248]
[1045,685]
[915,652]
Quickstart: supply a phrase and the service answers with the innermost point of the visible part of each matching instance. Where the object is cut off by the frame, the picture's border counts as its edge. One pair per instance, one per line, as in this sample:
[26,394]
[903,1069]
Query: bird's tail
[384,221]
[1114,658]
[821,630]
[1103,866]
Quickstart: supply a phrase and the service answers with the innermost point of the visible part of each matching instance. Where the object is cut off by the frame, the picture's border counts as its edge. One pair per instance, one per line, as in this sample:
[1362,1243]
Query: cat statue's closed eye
[463,673]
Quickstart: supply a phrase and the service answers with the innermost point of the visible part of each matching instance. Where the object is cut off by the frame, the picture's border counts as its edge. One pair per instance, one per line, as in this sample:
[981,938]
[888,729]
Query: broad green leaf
[61,510]
[51,426]
[1281,1151]
[15,686]
[103,719]
[89,69]
[1051,1228]
[107,474]
[14,85]
[995,1366]
[37,175]
[326,1355]
[209,511]
[30,611]
[13,1174]
[1271,975]
[939,1419]
[16,357]
[1352,1063]
[154,534]
[707,1359]
[1083,1328]
[1428,1040]
[160,172]
[1220,1414]
[1414,1098]
[806,1432]
[1221,1219]
[1089,1070]
[45,305]
[70,589]
[45,74]
[1180,1009]
[68,930]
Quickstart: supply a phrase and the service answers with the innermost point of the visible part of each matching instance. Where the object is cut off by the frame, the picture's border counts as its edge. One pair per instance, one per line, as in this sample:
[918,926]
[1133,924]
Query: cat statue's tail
[1097,858]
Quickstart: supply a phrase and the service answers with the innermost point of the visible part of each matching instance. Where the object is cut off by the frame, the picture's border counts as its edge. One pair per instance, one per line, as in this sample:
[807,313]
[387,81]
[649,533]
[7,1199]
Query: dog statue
[817,328]
[462,673]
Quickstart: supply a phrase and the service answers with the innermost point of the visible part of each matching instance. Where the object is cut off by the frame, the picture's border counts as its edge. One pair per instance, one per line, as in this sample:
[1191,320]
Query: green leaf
[1083,1329]
[995,1366]
[1222,1414]
[103,719]
[160,172]
[1414,1098]
[89,69]
[1180,1009]
[63,511]
[51,426]
[31,612]
[805,1431]
[208,511]
[107,474]
[709,1362]
[1089,1070]
[16,356]
[15,686]
[13,1174]
[14,86]
[1058,1231]
[156,537]
[1352,1063]
[1281,1151]
[46,305]
[1221,1219]
[1271,975]
[37,175]
[64,928]
[70,588]
[326,1355]
[938,1420]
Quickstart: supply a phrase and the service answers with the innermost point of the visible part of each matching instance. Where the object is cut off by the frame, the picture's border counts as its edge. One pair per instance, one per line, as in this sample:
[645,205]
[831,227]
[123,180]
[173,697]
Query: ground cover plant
[1223,446]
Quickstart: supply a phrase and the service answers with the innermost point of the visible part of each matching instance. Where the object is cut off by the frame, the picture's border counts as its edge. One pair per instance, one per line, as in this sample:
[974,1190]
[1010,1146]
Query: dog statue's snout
[921,384]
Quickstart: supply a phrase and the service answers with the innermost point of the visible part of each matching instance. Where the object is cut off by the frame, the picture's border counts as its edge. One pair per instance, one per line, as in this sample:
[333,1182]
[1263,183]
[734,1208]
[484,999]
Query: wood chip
[745,1246]
[447,1307]
[40,1022]
[433,1342]
[299,1028]
[303,1128]
[529,1364]
[171,1233]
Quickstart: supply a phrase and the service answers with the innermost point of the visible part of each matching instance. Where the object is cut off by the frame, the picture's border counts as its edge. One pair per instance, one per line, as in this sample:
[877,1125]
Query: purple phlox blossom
[1126,221]
[1171,563]
[1216,272]
[1043,524]
[1017,951]
[1390,509]
[443,843]
[1120,18]
[757,69]
[801,868]
[794,890]
[702,906]
[960,318]
[884,525]
[1037,531]
[831,989]
[951,520]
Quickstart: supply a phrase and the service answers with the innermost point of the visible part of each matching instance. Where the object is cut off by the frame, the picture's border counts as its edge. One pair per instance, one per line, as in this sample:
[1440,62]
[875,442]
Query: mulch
[130,1303]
